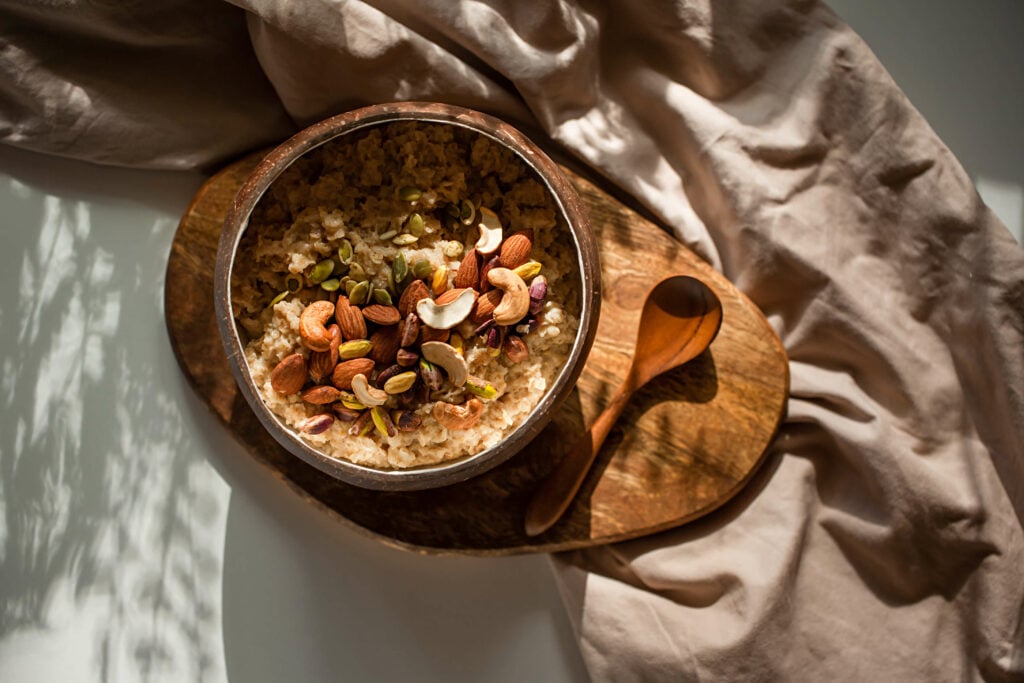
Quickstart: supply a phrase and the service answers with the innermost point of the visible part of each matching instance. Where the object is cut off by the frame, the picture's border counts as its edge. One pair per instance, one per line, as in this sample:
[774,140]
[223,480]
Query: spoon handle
[550,501]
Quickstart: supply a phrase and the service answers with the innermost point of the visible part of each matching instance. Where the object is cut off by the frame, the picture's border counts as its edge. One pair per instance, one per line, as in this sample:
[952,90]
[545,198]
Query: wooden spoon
[680,319]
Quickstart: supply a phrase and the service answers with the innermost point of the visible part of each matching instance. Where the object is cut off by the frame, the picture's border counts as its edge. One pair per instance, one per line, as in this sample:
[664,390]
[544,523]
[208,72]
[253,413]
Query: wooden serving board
[688,442]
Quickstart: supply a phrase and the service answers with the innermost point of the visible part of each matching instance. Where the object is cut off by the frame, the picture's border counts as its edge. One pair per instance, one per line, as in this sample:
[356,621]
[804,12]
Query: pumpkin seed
[359,293]
[321,271]
[404,240]
[330,285]
[415,225]
[385,236]
[467,212]
[279,298]
[453,249]
[357,272]
[409,193]
[345,252]
[399,268]
[382,297]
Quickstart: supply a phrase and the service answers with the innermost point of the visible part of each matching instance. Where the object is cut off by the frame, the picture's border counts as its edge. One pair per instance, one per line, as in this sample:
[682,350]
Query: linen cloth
[883,538]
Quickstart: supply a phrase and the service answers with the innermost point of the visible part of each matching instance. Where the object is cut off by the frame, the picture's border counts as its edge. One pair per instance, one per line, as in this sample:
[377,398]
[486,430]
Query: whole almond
[384,344]
[382,315]
[493,262]
[428,334]
[345,371]
[450,296]
[485,304]
[413,294]
[321,363]
[350,319]
[289,375]
[321,395]
[515,250]
[468,274]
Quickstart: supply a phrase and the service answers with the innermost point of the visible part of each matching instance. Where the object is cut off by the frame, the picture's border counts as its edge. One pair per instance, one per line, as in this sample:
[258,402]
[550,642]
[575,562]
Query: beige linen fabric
[883,539]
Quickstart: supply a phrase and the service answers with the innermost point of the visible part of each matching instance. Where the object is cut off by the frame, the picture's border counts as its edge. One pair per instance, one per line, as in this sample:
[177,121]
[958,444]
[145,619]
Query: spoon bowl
[680,319]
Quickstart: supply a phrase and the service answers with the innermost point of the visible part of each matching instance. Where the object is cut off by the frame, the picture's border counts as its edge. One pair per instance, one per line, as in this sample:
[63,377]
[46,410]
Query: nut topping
[289,375]
[516,300]
[312,329]
[455,417]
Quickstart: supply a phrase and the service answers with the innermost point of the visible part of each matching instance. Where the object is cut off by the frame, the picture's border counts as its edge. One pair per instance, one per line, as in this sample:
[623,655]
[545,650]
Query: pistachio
[409,193]
[362,425]
[404,239]
[447,316]
[410,330]
[367,395]
[351,402]
[457,343]
[490,232]
[515,303]
[538,292]
[484,328]
[455,417]
[447,357]
[321,271]
[431,375]
[495,337]
[439,281]
[356,348]
[382,421]
[515,349]
[481,388]
[401,382]
[406,358]
[317,424]
[345,252]
[406,420]
[488,266]
[345,414]
[387,373]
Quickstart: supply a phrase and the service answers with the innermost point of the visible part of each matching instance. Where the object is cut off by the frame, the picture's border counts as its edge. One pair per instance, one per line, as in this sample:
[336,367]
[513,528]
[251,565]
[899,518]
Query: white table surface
[139,541]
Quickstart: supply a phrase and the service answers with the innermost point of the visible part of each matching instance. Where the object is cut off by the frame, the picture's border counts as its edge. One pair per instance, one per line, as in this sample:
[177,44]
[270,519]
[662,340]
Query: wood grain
[686,444]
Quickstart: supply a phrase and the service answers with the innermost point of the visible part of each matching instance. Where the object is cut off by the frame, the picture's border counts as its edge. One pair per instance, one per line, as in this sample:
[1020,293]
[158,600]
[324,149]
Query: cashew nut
[447,357]
[515,302]
[490,232]
[312,325]
[446,316]
[367,395]
[456,417]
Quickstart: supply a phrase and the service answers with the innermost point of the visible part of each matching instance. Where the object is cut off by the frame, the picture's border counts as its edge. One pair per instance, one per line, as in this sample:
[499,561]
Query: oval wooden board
[687,444]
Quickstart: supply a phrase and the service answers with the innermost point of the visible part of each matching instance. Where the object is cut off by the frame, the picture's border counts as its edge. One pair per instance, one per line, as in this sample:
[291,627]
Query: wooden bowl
[569,205]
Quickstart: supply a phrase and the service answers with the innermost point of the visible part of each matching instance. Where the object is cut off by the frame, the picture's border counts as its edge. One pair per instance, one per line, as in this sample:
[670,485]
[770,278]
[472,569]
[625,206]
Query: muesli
[409,292]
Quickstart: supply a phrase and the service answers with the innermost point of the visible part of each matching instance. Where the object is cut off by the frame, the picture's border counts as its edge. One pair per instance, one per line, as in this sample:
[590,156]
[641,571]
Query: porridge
[409,292]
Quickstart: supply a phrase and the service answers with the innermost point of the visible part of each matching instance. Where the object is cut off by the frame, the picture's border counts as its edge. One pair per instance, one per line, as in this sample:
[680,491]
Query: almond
[350,319]
[381,314]
[515,251]
[321,395]
[384,344]
[289,375]
[413,294]
[429,334]
[345,371]
[468,274]
[485,305]
[321,363]
[493,262]
[450,296]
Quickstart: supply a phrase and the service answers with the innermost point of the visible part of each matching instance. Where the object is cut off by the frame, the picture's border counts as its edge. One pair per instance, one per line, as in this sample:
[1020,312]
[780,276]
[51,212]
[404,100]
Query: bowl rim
[569,204]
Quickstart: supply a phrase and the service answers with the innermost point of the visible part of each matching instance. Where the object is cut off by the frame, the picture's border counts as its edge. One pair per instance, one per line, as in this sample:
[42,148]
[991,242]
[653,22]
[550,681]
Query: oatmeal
[409,292]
